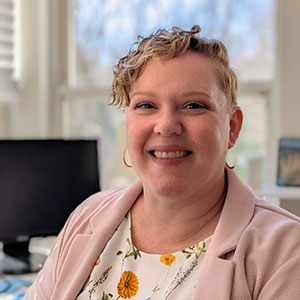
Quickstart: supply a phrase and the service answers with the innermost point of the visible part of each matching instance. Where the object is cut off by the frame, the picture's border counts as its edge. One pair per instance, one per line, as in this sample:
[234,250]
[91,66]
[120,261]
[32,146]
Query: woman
[188,228]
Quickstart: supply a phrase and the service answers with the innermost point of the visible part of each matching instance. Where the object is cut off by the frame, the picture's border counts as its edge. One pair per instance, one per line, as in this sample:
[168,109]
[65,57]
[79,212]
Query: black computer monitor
[41,183]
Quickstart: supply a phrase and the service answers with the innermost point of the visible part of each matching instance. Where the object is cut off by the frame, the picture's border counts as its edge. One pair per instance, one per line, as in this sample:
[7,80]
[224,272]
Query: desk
[15,285]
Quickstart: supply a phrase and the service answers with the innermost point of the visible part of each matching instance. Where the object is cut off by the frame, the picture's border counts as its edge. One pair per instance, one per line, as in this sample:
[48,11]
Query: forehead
[189,72]
[190,61]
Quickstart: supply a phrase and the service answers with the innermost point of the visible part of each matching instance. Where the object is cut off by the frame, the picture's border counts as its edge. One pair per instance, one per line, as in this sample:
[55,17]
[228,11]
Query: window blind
[6,34]
[7,85]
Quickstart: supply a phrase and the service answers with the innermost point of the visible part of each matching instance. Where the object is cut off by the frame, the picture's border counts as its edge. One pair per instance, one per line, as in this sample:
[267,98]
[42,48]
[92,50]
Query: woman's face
[179,127]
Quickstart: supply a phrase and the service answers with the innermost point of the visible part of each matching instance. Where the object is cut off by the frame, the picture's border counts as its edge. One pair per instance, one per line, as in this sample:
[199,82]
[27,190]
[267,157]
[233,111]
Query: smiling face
[179,126]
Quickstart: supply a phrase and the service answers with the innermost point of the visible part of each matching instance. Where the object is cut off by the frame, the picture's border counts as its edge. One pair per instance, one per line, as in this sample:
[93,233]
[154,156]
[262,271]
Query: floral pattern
[128,285]
[167,259]
[123,272]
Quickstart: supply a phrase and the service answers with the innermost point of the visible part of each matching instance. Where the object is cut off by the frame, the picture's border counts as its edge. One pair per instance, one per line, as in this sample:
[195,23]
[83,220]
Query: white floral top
[123,272]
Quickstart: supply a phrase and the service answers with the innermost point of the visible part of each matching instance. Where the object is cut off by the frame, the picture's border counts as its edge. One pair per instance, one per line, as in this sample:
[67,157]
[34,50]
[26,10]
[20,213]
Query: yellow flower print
[128,285]
[167,259]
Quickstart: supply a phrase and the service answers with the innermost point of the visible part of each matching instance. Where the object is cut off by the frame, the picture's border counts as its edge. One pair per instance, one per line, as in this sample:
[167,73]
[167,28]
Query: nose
[168,124]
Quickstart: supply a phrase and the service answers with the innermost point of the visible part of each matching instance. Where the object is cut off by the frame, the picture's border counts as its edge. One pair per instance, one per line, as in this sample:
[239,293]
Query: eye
[194,106]
[145,105]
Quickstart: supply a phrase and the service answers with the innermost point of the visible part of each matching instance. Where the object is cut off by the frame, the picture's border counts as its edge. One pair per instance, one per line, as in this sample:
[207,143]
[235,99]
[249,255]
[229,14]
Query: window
[249,153]
[104,31]
[7,50]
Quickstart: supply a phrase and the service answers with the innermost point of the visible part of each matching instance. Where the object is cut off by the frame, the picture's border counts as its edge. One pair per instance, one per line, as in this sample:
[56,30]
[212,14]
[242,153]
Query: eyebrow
[196,93]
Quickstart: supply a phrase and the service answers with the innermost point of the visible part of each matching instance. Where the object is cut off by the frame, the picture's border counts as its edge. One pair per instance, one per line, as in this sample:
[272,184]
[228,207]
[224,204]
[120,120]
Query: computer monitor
[41,183]
[288,167]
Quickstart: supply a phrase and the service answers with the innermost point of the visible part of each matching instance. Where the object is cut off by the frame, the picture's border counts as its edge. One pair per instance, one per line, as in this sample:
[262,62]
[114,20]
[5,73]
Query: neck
[173,224]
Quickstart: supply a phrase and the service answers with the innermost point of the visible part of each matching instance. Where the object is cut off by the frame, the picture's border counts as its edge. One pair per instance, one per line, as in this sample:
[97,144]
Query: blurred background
[56,59]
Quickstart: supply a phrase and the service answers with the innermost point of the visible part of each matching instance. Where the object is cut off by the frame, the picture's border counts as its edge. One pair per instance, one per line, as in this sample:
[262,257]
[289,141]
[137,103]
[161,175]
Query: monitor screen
[41,183]
[288,168]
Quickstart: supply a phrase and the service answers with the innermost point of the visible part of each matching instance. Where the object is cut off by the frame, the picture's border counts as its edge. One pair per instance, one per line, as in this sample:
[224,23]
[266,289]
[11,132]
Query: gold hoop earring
[124,159]
[228,166]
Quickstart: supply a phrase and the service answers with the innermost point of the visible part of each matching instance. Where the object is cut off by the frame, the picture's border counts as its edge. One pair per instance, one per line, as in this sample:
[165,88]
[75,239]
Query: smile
[170,155]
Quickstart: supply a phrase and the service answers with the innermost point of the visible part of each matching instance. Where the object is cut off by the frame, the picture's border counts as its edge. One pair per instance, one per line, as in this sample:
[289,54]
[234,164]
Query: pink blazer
[254,253]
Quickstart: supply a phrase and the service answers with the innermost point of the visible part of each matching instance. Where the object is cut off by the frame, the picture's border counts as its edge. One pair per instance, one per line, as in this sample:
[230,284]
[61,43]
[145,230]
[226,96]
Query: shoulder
[271,239]
[274,220]
[271,228]
[80,220]
[99,200]
[256,216]
[92,206]
[267,253]
[102,211]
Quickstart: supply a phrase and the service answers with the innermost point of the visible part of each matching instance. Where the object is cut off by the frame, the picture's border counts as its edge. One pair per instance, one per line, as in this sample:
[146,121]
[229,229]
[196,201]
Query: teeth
[168,155]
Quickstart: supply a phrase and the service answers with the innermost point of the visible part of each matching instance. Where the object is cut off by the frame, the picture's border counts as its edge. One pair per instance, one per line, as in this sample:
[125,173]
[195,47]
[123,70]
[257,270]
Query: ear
[236,121]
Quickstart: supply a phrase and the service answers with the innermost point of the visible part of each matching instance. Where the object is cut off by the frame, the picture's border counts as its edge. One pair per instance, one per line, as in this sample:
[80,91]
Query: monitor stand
[16,259]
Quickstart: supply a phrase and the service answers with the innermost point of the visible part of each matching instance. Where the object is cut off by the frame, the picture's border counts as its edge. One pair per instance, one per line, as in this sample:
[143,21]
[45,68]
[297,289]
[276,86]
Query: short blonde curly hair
[164,44]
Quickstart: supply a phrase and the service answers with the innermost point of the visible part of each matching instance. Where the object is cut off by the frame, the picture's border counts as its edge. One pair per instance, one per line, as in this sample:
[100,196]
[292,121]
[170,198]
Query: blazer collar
[116,211]
[237,212]
[215,281]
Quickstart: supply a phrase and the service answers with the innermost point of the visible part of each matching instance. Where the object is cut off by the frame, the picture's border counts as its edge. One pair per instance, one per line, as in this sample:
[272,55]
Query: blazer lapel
[217,273]
[215,281]
[81,257]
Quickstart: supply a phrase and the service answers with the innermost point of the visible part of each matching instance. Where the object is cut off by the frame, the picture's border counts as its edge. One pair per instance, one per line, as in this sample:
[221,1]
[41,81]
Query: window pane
[105,30]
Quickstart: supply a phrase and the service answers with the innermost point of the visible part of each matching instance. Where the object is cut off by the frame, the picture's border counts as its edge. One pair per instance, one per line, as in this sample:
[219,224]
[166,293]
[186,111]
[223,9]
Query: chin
[169,189]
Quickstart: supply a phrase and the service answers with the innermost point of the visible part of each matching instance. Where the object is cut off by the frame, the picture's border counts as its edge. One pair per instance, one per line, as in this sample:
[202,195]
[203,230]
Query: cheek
[214,135]
[137,132]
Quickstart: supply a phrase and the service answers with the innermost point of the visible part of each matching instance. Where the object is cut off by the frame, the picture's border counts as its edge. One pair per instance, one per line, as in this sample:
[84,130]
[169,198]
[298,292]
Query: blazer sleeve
[285,283]
[46,281]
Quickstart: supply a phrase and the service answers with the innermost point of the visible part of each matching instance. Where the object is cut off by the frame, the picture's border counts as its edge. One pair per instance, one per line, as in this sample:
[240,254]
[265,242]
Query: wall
[2,121]
[287,82]
[288,67]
